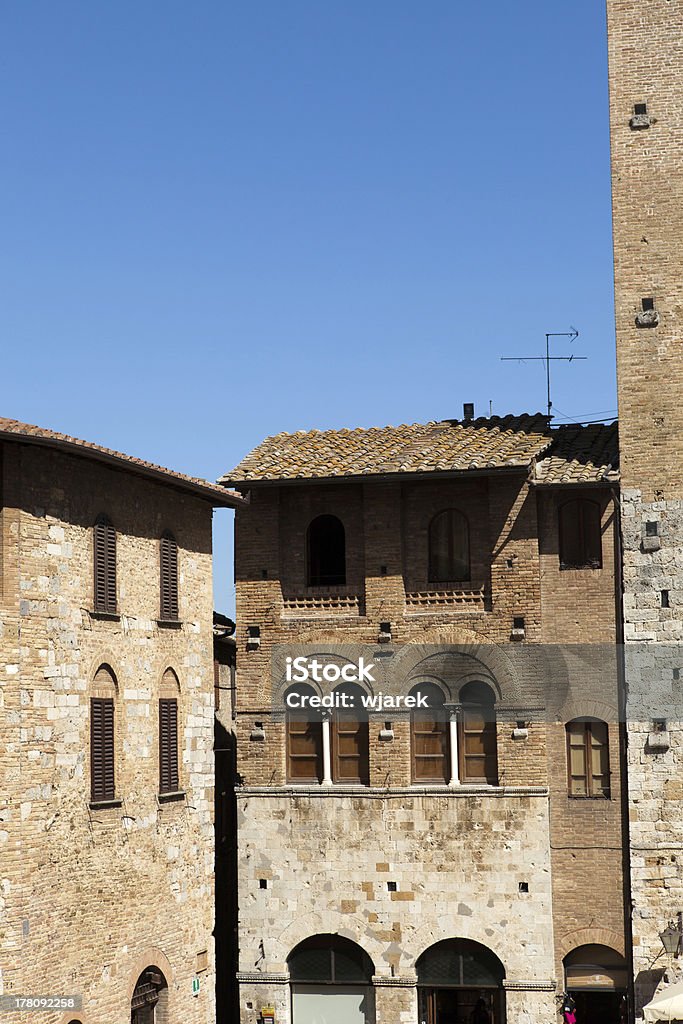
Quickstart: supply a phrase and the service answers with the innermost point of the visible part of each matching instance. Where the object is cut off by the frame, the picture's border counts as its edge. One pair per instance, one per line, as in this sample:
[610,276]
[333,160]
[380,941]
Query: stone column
[327,750]
[454,712]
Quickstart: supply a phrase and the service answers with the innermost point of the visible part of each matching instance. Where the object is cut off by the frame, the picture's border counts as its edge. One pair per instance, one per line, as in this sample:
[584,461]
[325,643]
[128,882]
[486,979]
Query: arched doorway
[331,982]
[149,1003]
[460,982]
[596,977]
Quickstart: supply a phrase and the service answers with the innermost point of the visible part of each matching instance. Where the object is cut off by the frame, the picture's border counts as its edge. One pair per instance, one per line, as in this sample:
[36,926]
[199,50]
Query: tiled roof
[581,455]
[29,434]
[498,442]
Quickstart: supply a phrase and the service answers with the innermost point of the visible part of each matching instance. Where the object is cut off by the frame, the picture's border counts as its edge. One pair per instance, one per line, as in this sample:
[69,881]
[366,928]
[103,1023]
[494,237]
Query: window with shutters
[350,736]
[102,709]
[104,551]
[588,759]
[580,534]
[449,547]
[430,737]
[477,734]
[168,745]
[168,560]
[304,729]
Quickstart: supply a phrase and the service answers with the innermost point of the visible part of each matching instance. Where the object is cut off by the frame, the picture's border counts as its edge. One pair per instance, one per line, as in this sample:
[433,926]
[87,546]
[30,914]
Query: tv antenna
[572,334]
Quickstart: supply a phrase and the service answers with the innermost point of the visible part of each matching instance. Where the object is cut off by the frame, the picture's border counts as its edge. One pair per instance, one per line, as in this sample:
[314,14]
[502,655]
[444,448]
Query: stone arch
[152,956]
[590,937]
[308,925]
[105,659]
[430,934]
[168,679]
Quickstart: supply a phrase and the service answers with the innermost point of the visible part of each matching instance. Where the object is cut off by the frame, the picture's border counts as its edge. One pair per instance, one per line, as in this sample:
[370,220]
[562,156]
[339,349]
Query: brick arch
[590,937]
[167,666]
[427,936]
[323,687]
[105,657]
[79,1015]
[327,923]
[497,668]
[152,957]
[591,708]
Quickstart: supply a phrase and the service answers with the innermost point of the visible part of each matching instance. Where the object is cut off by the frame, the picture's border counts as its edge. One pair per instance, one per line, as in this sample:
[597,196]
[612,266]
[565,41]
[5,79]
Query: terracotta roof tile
[30,434]
[581,455]
[498,442]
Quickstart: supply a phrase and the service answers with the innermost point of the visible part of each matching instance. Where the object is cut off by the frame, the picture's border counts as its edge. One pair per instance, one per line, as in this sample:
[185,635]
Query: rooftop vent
[468,411]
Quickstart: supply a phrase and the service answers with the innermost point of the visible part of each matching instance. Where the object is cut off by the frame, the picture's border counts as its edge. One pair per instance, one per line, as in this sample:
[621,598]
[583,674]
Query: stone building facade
[106,831]
[646,103]
[395,897]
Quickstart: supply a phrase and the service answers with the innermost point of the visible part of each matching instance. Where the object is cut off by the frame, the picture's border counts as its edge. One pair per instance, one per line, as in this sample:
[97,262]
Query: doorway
[599,1007]
[460,982]
[458,1005]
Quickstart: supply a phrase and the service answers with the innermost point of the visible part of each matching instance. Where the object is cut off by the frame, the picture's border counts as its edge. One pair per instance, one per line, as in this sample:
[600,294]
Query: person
[480,1015]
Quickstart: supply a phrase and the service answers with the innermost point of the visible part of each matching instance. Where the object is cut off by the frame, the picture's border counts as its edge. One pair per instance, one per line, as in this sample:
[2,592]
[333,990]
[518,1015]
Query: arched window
[580,534]
[304,729]
[351,738]
[102,781]
[588,758]
[331,980]
[168,733]
[478,745]
[168,562]
[326,552]
[449,547]
[460,980]
[149,1004]
[596,977]
[429,736]
[104,559]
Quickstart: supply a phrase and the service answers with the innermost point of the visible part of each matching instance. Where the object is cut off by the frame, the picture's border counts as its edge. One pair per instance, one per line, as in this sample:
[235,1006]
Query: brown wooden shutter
[304,750]
[102,748]
[350,748]
[430,747]
[168,746]
[478,747]
[104,551]
[169,577]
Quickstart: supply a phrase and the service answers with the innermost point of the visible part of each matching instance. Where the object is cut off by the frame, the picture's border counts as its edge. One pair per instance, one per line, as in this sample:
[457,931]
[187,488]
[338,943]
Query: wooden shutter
[350,748]
[478,748]
[169,577]
[580,535]
[588,759]
[104,552]
[449,547]
[102,748]
[430,747]
[168,746]
[304,750]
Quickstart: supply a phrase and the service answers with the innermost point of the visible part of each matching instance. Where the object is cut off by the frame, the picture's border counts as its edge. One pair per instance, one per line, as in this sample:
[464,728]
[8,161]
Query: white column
[453,726]
[327,757]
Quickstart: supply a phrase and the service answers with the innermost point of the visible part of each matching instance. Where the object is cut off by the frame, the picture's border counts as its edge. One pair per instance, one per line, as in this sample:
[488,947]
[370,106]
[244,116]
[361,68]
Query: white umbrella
[667,1005]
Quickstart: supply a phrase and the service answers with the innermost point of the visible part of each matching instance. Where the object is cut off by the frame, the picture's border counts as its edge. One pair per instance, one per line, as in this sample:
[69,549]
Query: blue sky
[225,220]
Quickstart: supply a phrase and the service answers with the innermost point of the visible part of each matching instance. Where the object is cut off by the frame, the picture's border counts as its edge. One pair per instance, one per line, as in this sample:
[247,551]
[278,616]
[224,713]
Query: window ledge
[566,567]
[175,795]
[378,793]
[106,616]
[98,805]
[169,623]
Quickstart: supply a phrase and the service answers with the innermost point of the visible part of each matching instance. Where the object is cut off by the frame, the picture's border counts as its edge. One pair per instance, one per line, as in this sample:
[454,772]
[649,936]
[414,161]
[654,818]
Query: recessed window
[168,745]
[640,108]
[580,534]
[104,556]
[351,739]
[304,739]
[647,304]
[588,758]
[326,551]
[102,783]
[477,729]
[429,736]
[168,559]
[449,547]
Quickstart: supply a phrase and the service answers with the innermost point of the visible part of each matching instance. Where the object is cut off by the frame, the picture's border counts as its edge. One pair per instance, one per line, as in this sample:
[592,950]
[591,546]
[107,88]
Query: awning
[667,1005]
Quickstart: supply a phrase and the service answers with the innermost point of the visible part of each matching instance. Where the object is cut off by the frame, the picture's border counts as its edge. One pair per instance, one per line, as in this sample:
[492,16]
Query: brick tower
[646,110]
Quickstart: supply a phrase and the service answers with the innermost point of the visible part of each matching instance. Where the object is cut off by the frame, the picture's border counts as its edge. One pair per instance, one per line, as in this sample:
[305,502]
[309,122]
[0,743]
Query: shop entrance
[596,979]
[460,982]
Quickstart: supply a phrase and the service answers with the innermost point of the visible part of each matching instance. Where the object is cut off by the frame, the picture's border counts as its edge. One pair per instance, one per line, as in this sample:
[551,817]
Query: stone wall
[319,861]
[645,61]
[94,895]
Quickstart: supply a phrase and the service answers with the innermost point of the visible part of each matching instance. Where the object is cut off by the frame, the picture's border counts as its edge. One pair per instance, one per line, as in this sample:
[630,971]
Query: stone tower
[646,110]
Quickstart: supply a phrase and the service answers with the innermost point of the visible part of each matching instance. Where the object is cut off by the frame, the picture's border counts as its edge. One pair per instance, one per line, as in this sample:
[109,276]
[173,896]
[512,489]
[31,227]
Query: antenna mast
[572,334]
